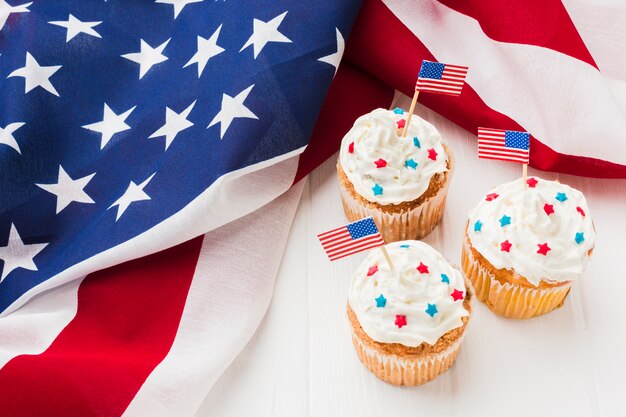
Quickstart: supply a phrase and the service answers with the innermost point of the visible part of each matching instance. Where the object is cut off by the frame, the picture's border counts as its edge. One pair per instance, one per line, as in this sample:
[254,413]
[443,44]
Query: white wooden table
[571,362]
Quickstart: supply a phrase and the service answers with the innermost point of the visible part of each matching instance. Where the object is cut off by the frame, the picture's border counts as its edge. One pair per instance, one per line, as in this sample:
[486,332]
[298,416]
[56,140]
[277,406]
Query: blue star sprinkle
[505,220]
[398,110]
[478,226]
[381,301]
[416,142]
[405,246]
[580,237]
[561,197]
[410,163]
[444,278]
[431,310]
[378,190]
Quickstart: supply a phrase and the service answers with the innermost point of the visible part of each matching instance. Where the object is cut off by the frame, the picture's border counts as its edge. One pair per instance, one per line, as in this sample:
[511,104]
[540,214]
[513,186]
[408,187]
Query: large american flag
[437,77]
[150,336]
[504,145]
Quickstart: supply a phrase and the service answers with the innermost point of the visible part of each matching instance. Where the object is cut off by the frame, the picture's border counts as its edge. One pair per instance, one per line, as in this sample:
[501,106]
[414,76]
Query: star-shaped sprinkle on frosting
[377,189]
[543,249]
[531,182]
[432,154]
[372,270]
[579,238]
[561,197]
[351,147]
[416,142]
[548,208]
[478,226]
[431,310]
[398,110]
[401,123]
[505,246]
[410,164]
[491,197]
[457,295]
[381,163]
[422,268]
[400,320]
[505,220]
[381,301]
[581,211]
[444,278]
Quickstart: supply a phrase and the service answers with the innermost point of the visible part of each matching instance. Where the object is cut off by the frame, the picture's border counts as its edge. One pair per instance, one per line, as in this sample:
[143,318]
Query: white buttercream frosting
[409,295]
[547,213]
[408,161]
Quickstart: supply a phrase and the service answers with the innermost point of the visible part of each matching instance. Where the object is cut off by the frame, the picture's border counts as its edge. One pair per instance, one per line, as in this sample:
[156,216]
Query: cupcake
[523,247]
[408,324]
[402,182]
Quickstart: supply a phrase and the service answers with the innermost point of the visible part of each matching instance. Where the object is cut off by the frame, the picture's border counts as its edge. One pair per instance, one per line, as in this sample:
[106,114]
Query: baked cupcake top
[543,233]
[418,303]
[385,168]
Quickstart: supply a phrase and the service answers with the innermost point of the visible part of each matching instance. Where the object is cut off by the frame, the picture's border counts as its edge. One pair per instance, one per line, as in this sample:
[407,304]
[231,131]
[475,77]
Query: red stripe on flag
[126,322]
[544,23]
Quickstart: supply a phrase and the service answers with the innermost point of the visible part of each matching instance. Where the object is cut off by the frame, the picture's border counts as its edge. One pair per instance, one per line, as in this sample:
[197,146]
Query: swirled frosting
[388,169]
[417,304]
[543,232]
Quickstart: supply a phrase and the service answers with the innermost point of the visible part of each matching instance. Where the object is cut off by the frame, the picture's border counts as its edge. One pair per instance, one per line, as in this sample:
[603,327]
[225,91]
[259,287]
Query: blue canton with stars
[362,228]
[519,140]
[433,70]
[116,115]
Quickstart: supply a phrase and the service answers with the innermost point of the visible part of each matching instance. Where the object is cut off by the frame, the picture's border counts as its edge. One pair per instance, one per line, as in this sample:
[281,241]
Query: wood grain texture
[569,363]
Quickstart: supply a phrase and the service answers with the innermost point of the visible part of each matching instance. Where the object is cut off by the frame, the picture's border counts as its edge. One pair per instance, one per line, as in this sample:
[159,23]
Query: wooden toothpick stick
[388,258]
[525,174]
[408,119]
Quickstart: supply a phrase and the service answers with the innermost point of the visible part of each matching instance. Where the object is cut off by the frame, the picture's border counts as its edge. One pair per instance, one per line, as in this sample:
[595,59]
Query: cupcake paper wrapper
[509,300]
[413,369]
[405,370]
[414,223]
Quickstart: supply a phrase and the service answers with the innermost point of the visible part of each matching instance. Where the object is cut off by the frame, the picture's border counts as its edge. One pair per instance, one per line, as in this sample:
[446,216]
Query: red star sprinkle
[543,249]
[381,163]
[582,213]
[401,123]
[422,268]
[351,147]
[372,270]
[457,295]
[505,246]
[548,208]
[491,197]
[531,182]
[432,154]
[400,320]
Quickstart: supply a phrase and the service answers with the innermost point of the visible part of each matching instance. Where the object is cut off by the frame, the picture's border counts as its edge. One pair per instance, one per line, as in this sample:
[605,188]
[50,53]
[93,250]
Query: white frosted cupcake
[524,247]
[402,182]
[407,325]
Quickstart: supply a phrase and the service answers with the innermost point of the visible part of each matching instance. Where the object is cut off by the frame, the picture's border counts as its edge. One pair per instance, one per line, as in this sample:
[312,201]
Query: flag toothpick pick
[437,77]
[505,145]
[353,238]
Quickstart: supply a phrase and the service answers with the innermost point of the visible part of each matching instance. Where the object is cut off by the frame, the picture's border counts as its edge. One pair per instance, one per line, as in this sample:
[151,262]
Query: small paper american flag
[437,77]
[351,238]
[504,145]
